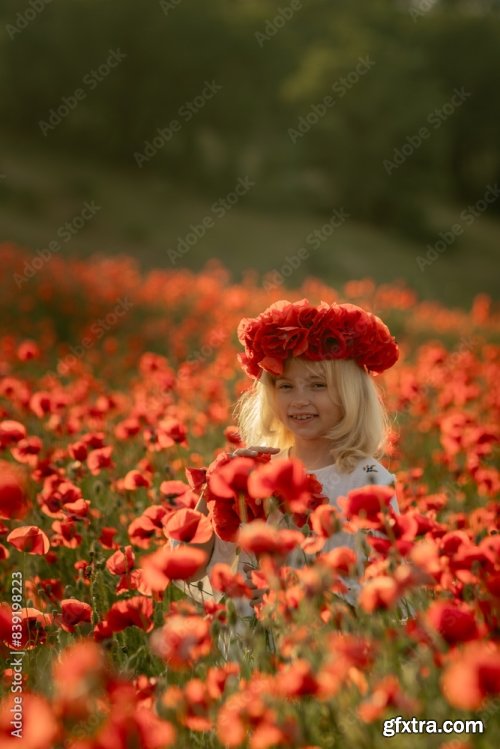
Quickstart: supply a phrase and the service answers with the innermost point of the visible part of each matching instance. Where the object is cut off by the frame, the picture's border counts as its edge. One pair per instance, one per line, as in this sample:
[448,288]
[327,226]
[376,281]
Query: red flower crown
[337,331]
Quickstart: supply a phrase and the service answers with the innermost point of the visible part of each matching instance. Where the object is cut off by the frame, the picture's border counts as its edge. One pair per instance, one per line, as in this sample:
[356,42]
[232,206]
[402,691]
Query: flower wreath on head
[337,331]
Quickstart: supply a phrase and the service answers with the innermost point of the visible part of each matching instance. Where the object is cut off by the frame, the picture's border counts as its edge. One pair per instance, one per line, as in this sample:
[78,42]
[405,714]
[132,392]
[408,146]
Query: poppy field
[117,390]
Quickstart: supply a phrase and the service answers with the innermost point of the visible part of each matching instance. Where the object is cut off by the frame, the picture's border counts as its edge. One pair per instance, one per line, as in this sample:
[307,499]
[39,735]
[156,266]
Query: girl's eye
[319,385]
[283,386]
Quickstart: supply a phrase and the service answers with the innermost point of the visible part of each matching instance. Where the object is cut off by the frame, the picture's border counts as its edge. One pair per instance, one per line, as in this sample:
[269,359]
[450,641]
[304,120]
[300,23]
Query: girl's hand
[257,593]
[252,452]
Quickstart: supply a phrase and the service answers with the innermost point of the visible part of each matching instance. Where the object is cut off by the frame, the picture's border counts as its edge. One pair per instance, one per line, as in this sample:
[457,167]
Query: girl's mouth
[302,417]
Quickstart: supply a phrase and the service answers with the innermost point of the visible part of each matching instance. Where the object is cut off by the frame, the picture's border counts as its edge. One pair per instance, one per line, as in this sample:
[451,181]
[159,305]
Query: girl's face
[303,401]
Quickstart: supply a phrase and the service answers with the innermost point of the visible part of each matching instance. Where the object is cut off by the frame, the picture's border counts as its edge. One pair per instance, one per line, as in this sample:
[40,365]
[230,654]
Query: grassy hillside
[142,215]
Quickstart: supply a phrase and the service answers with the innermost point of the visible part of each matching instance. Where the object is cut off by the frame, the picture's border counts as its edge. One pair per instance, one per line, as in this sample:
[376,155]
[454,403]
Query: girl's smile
[304,403]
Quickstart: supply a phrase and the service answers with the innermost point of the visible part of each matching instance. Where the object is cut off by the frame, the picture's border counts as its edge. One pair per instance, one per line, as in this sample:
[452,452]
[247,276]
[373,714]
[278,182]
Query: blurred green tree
[273,66]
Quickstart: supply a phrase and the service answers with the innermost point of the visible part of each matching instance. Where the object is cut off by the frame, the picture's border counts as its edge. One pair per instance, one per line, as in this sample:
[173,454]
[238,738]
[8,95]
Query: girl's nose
[300,398]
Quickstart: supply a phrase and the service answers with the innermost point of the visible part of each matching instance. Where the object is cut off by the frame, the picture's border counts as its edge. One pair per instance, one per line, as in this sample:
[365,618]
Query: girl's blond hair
[361,431]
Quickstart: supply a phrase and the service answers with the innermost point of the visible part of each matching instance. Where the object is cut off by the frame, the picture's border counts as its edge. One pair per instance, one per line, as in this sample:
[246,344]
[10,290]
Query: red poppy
[187,525]
[149,524]
[168,432]
[247,715]
[341,559]
[182,641]
[74,612]
[228,498]
[227,478]
[66,534]
[94,440]
[84,571]
[226,519]
[78,672]
[127,428]
[38,726]
[178,494]
[387,693]
[129,723]
[77,510]
[379,593]
[192,705]
[146,687]
[78,451]
[29,538]
[132,612]
[27,350]
[27,450]
[5,624]
[297,680]
[473,676]
[168,564]
[33,628]
[363,507]
[228,582]
[106,537]
[121,562]
[134,580]
[218,676]
[286,479]
[56,493]
[233,436]
[135,479]
[44,591]
[41,403]
[325,520]
[99,459]
[258,538]
[454,620]
[196,477]
[13,498]
[352,649]
[425,555]
[11,432]
[312,544]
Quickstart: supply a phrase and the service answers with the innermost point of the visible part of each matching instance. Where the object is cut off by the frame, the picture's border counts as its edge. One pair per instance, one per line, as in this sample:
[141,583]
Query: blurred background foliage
[421,53]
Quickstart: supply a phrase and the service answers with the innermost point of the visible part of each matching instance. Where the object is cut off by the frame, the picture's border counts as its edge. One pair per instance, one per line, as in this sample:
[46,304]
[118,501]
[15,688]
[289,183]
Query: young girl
[313,399]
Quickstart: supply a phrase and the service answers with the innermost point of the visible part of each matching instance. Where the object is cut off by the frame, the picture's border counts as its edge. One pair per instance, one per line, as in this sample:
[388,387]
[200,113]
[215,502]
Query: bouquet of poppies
[241,490]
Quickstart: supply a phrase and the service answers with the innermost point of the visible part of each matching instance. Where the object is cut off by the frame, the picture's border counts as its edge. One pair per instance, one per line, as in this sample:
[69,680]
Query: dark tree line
[380,105]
